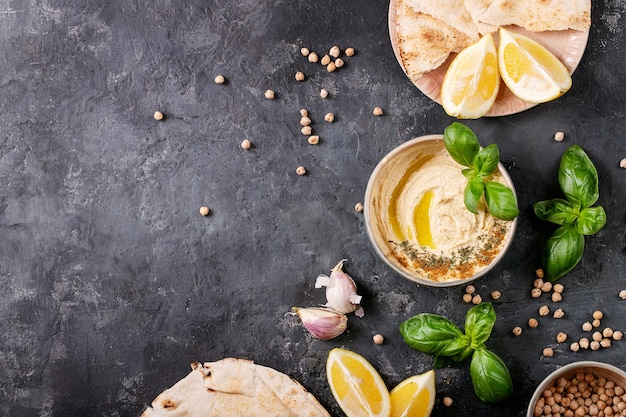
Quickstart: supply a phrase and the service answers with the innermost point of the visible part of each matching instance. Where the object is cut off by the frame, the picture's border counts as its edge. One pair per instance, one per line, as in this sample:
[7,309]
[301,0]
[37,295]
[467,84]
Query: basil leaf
[490,377]
[433,334]
[562,252]
[578,177]
[473,193]
[486,161]
[591,220]
[461,143]
[557,211]
[501,201]
[479,322]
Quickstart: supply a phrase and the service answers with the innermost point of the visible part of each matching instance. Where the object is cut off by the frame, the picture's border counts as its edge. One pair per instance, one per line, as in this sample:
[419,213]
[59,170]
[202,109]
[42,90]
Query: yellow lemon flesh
[529,70]
[414,397]
[472,81]
[357,387]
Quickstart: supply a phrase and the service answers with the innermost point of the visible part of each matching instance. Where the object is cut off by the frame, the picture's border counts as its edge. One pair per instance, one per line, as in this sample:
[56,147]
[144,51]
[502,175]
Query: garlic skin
[322,323]
[340,291]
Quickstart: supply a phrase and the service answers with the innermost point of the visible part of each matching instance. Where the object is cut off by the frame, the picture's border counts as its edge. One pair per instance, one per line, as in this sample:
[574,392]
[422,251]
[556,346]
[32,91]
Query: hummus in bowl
[417,221]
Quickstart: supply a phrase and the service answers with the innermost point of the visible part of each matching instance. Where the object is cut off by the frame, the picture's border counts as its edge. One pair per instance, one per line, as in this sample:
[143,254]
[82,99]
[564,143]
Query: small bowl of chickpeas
[584,388]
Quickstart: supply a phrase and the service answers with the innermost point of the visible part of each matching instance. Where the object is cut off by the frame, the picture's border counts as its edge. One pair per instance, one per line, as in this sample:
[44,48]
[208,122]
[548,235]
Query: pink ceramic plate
[567,45]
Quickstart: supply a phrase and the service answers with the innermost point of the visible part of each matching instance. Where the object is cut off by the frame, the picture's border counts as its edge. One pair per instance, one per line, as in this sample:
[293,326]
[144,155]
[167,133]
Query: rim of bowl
[380,252]
[572,369]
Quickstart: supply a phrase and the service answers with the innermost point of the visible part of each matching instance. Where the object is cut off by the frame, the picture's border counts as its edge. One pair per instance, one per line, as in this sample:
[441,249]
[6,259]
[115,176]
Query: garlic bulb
[340,291]
[323,323]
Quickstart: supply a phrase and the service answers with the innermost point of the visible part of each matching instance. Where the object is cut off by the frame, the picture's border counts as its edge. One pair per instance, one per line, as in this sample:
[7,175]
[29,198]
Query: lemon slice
[356,385]
[414,397]
[472,81]
[531,71]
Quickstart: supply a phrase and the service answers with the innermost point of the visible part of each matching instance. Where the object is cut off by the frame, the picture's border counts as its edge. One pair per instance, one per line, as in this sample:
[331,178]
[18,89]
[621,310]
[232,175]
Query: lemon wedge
[472,81]
[531,71]
[414,397]
[356,385]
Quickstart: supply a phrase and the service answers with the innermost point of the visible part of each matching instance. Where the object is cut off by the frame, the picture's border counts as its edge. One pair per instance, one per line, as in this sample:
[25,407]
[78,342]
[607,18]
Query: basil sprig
[441,338]
[578,179]
[463,146]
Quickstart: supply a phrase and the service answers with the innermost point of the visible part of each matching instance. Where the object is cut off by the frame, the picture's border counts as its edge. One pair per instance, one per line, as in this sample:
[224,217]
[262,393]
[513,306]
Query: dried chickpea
[617,335]
[470,289]
[305,51]
[301,170]
[339,63]
[558,288]
[304,112]
[325,60]
[220,79]
[299,76]
[329,117]
[313,57]
[546,287]
[539,273]
[269,94]
[622,293]
[306,130]
[158,115]
[358,207]
[587,326]
[305,121]
[377,111]
[477,299]
[246,144]
[535,292]
[467,298]
[556,297]
[378,339]
[558,313]
[323,93]
[594,345]
[605,343]
[597,315]
[559,136]
[544,310]
[496,295]
[548,352]
[204,211]
[334,51]
[313,140]
[349,51]
[517,330]
[622,163]
[607,332]
[532,322]
[584,343]
[538,283]
[574,347]
[595,323]
[447,401]
[561,337]
[331,67]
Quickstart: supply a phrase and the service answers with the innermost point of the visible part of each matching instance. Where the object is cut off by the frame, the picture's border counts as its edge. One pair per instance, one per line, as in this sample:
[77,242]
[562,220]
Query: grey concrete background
[111,283]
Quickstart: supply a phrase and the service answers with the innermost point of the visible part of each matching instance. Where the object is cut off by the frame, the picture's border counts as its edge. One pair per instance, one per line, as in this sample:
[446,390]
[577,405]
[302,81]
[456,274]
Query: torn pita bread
[235,388]
[534,15]
[451,12]
[424,41]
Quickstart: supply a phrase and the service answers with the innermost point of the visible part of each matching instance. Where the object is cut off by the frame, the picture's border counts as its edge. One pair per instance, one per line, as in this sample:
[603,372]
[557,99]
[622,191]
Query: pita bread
[424,41]
[534,15]
[235,388]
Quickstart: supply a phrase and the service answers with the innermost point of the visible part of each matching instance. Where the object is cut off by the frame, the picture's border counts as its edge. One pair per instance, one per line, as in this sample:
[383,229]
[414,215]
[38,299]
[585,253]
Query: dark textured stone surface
[111,282]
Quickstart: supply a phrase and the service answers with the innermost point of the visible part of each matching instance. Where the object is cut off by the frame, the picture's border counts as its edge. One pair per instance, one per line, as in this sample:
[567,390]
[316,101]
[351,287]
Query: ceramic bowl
[417,222]
[599,369]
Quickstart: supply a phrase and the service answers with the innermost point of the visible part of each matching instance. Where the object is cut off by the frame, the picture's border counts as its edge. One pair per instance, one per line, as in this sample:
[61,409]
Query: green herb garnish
[440,337]
[578,179]
[463,146]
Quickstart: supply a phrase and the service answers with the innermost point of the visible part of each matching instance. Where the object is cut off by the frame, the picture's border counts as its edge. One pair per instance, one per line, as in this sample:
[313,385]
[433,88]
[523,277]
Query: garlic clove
[341,290]
[322,323]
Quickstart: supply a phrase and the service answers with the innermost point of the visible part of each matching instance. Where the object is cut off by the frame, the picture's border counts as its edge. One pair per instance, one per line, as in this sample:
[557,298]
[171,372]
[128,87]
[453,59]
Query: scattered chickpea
[597,336]
[220,79]
[349,51]
[358,207]
[584,343]
[622,294]
[544,310]
[617,335]
[467,298]
[538,283]
[304,112]
[313,57]
[377,111]
[158,115]
[546,287]
[558,313]
[470,289]
[532,322]
[301,170]
[334,51]
[561,337]
[304,51]
[517,330]
[305,121]
[595,323]
[313,140]
[556,297]
[329,117]
[559,136]
[269,94]
[204,211]
[325,60]
[299,76]
[548,352]
[605,343]
[622,163]
[595,345]
[539,273]
[323,93]
[535,292]
[477,299]
[574,347]
[496,295]
[607,332]
[378,339]
[246,144]
[558,288]
[587,326]
[597,315]
[447,401]
[306,130]
[331,67]
[339,62]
